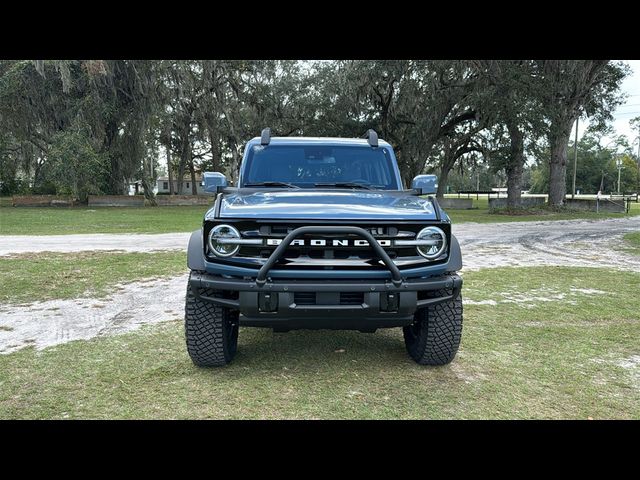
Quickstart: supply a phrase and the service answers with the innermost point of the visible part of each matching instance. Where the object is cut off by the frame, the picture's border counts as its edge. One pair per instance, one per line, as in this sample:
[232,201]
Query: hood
[327,204]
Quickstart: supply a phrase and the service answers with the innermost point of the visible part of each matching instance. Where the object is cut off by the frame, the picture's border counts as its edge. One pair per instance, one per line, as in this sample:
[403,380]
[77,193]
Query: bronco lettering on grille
[319,242]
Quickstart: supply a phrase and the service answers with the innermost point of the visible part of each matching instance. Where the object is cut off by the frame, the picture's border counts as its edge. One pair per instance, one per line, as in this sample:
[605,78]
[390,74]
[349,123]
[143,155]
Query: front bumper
[273,304]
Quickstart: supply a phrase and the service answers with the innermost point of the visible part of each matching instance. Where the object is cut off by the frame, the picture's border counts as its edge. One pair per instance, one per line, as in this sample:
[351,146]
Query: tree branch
[455,121]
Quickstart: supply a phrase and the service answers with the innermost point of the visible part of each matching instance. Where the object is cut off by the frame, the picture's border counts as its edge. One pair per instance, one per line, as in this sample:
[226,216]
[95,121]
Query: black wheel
[211,330]
[434,336]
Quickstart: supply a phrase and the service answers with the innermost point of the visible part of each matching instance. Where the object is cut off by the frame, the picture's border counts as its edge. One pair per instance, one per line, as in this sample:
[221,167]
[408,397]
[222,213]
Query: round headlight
[218,240]
[435,245]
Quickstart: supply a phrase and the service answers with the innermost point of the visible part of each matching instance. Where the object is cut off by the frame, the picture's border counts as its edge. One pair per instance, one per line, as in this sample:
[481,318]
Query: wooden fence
[104,200]
[43,201]
[164,200]
[116,201]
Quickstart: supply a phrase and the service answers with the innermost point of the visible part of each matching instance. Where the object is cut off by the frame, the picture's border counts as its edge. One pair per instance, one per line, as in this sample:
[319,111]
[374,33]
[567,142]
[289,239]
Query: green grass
[47,276]
[480,214]
[57,221]
[632,241]
[542,351]
[52,221]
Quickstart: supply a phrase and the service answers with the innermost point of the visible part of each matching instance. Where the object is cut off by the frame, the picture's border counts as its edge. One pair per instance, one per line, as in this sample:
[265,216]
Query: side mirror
[425,184]
[213,182]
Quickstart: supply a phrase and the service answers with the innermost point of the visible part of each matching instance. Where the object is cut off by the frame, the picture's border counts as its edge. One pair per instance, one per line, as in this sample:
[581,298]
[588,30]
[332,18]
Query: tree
[74,165]
[426,109]
[568,89]
[598,169]
[517,117]
[450,117]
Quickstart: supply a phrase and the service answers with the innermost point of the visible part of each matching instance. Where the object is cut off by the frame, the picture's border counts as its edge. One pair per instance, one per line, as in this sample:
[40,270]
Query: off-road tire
[434,336]
[211,330]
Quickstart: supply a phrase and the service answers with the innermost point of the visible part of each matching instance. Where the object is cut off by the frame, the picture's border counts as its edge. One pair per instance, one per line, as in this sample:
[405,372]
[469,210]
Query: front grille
[328,256]
[304,298]
[343,298]
[351,298]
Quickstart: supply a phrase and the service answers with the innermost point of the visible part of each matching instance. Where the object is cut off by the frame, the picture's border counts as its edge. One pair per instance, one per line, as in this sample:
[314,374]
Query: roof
[319,140]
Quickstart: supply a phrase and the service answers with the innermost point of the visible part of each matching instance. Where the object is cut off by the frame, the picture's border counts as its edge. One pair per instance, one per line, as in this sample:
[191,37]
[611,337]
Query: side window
[165,185]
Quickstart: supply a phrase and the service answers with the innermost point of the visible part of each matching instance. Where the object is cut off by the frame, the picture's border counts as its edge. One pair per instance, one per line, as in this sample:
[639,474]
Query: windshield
[309,166]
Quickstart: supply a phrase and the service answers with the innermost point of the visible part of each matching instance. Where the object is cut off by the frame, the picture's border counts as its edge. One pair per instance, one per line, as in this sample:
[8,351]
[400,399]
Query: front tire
[434,336]
[211,330]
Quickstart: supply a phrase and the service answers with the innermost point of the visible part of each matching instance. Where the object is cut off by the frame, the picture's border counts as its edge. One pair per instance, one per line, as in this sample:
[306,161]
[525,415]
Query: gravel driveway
[42,324]
[130,242]
[580,243]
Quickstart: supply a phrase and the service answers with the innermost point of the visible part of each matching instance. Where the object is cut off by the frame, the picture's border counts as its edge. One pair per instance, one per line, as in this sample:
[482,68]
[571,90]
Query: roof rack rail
[265,137]
[372,137]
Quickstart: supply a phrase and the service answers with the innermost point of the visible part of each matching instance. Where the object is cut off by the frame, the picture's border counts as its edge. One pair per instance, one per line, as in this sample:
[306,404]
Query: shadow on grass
[303,354]
[298,346]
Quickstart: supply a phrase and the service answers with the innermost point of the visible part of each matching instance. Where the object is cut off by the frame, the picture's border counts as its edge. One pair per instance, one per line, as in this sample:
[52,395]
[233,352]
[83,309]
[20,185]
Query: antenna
[265,137]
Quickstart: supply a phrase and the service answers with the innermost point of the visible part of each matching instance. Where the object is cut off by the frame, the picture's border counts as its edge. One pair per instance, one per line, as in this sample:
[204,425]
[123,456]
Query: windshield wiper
[271,184]
[343,185]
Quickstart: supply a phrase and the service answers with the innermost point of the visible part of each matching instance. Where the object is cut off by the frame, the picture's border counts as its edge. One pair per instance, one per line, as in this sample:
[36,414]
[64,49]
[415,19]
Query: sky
[625,112]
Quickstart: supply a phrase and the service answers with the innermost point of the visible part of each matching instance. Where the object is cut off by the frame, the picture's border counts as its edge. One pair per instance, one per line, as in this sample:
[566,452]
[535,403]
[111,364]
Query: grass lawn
[480,214]
[52,221]
[47,276]
[58,221]
[633,242]
[537,343]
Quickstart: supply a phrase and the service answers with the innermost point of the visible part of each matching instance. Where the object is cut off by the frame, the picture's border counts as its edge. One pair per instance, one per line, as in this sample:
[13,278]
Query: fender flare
[195,252]
[455,256]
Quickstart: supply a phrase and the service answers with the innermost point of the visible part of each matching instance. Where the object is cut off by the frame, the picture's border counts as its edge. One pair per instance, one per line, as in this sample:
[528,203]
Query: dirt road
[133,242]
[577,243]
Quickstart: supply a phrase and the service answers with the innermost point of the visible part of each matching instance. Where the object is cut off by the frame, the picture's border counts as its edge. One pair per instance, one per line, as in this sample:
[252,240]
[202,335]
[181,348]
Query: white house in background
[163,185]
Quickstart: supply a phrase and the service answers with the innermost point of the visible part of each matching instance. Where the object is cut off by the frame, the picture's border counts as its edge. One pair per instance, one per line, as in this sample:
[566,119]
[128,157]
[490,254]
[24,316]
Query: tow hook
[389,302]
[268,301]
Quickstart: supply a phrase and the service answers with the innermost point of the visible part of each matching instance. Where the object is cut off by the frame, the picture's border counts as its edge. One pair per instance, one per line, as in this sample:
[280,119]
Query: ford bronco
[320,233]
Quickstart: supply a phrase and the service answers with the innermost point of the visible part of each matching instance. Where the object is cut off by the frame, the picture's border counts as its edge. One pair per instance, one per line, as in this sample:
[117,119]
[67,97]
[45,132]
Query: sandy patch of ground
[43,324]
[530,298]
[129,242]
[631,365]
[578,243]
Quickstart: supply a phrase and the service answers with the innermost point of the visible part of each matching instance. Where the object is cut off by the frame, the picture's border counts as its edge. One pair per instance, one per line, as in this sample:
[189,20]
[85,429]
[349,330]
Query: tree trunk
[235,165]
[172,190]
[558,143]
[447,164]
[194,186]
[515,165]
[185,155]
[116,180]
[147,180]
[215,150]
[442,180]
[148,191]
[116,175]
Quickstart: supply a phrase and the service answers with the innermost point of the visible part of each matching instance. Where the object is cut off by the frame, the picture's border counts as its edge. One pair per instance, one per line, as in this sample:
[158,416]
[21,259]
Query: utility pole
[619,165]
[575,160]
[638,189]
